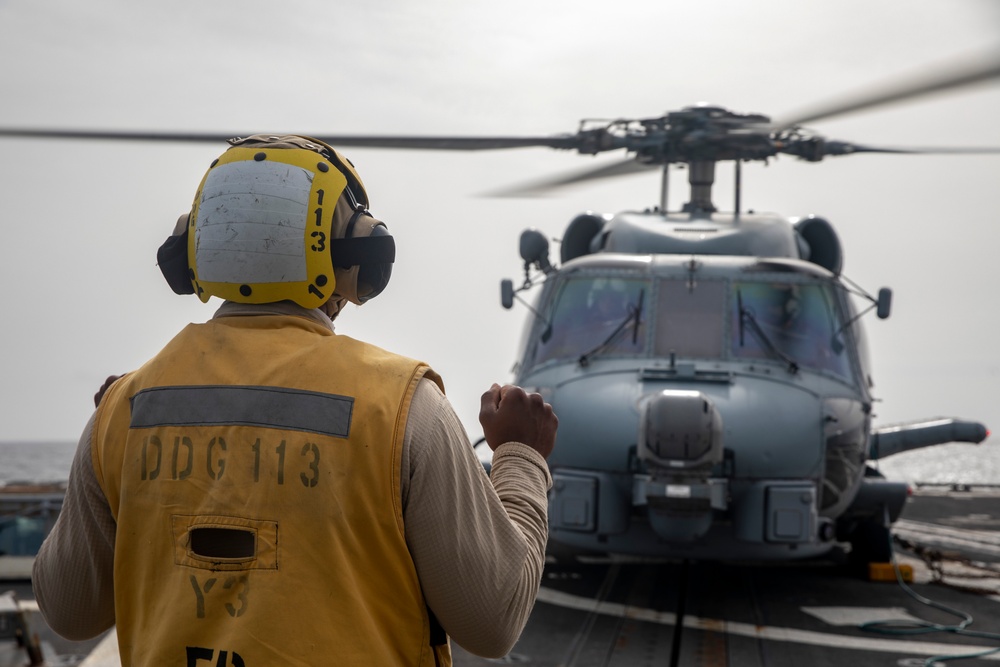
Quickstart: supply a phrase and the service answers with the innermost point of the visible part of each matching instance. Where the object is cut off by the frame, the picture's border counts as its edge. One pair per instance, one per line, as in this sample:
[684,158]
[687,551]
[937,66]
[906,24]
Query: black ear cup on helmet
[172,258]
[373,276]
[372,254]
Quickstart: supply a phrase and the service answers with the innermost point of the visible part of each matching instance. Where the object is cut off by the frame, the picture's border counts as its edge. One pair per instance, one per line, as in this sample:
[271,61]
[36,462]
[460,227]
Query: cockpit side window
[794,322]
[595,315]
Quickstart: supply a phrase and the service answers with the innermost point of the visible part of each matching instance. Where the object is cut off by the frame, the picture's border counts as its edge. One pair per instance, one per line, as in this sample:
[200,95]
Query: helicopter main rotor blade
[979,69]
[359,141]
[450,143]
[942,150]
[814,150]
[115,135]
[544,186]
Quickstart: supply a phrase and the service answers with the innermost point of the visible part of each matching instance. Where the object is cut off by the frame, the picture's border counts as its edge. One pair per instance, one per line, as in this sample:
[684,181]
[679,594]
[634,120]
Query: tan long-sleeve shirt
[477,541]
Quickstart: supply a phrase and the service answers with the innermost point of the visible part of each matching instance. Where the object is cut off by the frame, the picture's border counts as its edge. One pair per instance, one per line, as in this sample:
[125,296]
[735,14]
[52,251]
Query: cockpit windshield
[795,323]
[595,315]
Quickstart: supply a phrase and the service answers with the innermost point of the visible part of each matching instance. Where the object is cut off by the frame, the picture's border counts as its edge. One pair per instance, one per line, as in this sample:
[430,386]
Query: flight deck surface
[701,614]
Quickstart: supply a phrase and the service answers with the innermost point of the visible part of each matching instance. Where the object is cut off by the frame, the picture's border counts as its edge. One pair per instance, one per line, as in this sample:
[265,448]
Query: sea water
[35,461]
[955,463]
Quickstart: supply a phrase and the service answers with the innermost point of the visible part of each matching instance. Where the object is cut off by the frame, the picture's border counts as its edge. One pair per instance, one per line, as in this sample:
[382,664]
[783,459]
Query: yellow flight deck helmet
[279,218]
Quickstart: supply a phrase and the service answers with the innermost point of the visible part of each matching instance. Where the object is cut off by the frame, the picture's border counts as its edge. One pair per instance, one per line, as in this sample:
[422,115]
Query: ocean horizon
[955,463]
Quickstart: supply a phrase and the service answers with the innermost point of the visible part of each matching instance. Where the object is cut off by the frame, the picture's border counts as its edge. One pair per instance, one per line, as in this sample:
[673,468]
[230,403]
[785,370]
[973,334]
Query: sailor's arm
[478,545]
[73,573]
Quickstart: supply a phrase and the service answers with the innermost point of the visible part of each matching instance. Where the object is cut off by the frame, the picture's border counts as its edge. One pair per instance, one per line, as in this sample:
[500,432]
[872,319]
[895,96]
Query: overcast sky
[81,221]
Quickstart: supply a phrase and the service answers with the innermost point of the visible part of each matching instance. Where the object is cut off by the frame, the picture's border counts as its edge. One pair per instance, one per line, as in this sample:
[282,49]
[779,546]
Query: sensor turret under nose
[680,431]
[680,441]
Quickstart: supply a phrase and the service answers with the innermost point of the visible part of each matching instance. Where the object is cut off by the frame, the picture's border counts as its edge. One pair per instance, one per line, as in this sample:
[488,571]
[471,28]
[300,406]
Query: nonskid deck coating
[778,615]
[747,614]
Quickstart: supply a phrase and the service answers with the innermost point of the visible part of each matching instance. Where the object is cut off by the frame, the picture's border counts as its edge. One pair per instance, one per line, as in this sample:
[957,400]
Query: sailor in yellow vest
[267,492]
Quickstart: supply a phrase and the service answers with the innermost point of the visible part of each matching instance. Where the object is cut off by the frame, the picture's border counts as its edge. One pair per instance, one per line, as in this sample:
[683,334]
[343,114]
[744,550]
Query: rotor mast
[698,136]
[701,177]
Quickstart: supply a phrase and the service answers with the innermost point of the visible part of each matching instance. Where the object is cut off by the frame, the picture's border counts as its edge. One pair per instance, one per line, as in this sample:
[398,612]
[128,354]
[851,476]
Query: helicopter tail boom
[905,437]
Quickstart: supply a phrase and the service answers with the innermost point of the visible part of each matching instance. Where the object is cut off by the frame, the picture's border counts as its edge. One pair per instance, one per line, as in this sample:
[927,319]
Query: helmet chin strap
[333,306]
[359,210]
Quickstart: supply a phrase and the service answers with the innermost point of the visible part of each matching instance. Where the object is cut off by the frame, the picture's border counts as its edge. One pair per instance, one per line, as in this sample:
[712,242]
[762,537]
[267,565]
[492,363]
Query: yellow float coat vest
[253,469]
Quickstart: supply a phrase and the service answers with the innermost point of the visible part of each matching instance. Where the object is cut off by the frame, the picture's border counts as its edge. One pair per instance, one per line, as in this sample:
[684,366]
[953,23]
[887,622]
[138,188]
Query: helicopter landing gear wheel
[871,542]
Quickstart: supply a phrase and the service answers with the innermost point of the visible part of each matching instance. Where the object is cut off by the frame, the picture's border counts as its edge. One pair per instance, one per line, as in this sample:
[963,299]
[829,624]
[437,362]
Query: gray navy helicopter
[709,369]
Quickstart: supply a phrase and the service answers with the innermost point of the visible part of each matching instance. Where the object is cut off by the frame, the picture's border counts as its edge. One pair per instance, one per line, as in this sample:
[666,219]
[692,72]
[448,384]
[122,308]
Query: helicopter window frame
[707,320]
[815,306]
[612,337]
[853,308]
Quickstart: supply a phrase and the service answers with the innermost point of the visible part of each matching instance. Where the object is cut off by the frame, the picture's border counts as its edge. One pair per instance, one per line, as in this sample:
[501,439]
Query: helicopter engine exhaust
[680,441]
